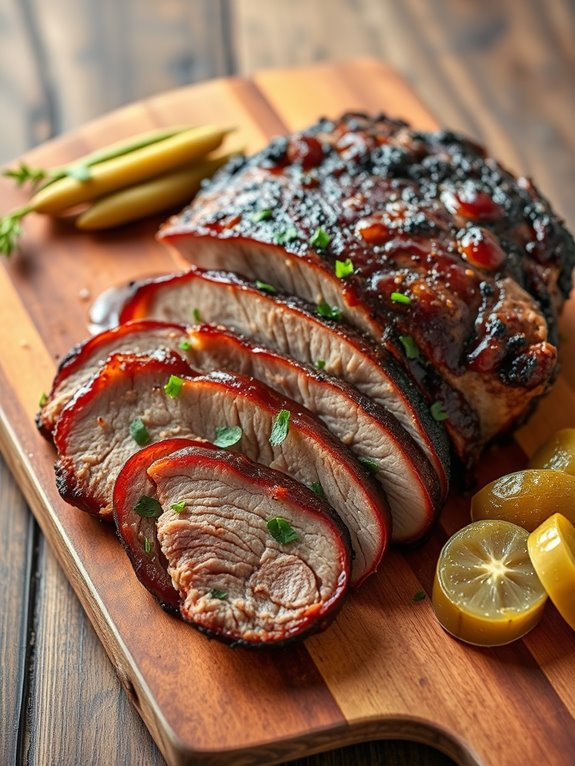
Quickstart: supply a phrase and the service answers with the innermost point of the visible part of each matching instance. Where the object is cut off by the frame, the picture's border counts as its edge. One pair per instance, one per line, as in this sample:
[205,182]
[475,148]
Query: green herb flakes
[283,236]
[371,465]
[173,387]
[261,215]
[438,412]
[196,316]
[280,428]
[325,311]
[148,507]
[139,432]
[400,298]
[320,364]
[409,346]
[227,436]
[43,399]
[343,268]
[281,530]
[178,507]
[317,488]
[219,594]
[419,596]
[185,345]
[265,287]
[320,239]
[147,545]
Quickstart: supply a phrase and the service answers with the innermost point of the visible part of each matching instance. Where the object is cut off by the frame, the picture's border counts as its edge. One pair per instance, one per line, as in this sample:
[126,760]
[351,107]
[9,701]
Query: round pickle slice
[557,453]
[486,591]
[526,498]
[552,551]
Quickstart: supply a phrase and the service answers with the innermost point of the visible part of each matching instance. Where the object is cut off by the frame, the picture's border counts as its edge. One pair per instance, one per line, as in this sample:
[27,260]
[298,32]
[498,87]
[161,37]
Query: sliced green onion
[139,432]
[410,346]
[179,506]
[267,288]
[438,412]
[326,311]
[343,268]
[320,238]
[400,298]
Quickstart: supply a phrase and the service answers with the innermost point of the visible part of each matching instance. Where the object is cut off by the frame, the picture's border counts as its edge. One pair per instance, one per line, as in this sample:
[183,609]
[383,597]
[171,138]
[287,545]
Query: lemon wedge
[552,551]
[486,591]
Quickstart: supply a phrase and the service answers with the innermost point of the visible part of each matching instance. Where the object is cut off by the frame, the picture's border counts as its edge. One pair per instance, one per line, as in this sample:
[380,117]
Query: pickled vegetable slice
[552,551]
[558,452]
[486,591]
[526,498]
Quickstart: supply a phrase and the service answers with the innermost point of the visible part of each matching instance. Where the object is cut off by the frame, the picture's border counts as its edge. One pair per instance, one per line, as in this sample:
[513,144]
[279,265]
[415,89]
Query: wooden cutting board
[385,668]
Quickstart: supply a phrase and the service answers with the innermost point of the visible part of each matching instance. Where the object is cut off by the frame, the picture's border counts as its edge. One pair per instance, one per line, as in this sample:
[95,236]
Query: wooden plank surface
[451,51]
[385,668]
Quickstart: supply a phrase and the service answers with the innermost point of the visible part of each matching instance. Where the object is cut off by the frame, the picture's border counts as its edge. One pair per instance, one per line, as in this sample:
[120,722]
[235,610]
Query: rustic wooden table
[502,71]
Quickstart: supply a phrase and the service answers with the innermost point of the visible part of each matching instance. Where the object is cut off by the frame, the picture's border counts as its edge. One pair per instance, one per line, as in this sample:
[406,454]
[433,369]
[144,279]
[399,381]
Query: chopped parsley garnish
[139,432]
[227,436]
[438,412]
[174,386]
[261,215]
[179,506]
[147,545]
[148,507]
[280,428]
[265,287]
[43,399]
[320,364]
[197,317]
[318,489]
[219,594]
[320,238]
[343,268]
[325,311]
[409,346]
[400,298]
[185,345]
[371,465]
[285,235]
[419,596]
[281,530]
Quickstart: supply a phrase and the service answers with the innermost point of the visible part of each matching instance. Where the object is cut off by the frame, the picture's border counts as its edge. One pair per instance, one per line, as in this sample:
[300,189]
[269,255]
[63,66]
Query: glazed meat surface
[478,258]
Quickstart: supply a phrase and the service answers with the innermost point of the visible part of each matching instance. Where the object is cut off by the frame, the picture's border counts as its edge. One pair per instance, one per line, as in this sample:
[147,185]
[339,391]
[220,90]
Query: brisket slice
[94,438]
[370,431]
[136,511]
[237,581]
[482,259]
[85,359]
[293,328]
[94,435]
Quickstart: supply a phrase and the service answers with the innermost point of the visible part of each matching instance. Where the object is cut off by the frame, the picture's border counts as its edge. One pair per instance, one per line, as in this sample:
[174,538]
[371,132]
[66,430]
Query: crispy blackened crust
[483,259]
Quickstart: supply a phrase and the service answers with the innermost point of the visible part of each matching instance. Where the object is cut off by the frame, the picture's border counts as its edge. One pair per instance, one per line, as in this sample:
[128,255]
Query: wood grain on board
[385,669]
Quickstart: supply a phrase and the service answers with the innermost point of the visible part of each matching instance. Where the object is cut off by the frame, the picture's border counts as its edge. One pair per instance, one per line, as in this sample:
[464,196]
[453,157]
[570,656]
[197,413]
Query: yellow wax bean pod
[153,196]
[129,169]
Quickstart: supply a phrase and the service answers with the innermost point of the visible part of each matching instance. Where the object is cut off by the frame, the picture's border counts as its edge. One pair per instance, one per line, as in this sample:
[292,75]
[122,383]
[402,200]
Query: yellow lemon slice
[552,551]
[486,591]
[558,452]
[526,498]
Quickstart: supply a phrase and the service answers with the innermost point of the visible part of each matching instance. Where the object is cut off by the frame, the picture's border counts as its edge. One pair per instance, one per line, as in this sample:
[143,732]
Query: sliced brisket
[256,558]
[293,328]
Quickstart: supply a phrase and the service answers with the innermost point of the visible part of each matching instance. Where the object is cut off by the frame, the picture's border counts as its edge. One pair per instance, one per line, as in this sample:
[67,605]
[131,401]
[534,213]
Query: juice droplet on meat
[306,151]
[471,203]
[480,248]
